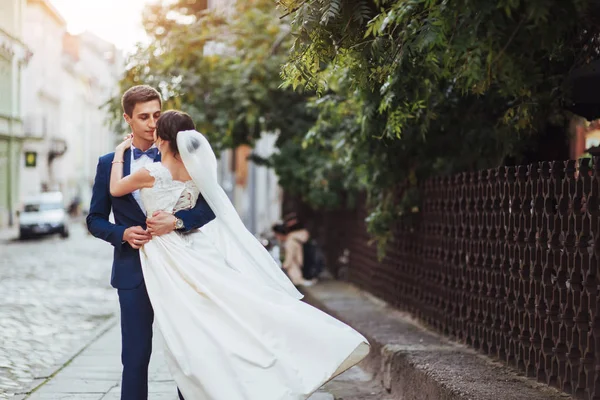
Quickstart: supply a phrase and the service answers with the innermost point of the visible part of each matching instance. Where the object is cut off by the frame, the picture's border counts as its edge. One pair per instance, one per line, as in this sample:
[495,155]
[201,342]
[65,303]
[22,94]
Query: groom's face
[143,120]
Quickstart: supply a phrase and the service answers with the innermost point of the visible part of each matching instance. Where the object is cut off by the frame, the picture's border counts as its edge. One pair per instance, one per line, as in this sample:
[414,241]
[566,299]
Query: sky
[117,21]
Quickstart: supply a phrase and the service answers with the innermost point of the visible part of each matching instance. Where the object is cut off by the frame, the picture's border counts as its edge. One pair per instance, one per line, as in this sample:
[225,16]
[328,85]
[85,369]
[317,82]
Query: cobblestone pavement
[53,293]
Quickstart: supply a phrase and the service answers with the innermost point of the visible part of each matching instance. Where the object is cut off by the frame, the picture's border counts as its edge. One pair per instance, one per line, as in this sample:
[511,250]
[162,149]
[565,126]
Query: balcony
[39,126]
[11,46]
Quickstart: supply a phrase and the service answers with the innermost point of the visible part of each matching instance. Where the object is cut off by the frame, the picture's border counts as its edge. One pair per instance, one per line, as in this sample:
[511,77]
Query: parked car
[43,214]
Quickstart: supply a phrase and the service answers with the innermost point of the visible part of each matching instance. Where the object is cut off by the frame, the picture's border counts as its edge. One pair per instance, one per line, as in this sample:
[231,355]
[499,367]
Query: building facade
[67,81]
[264,193]
[14,55]
[42,95]
[92,70]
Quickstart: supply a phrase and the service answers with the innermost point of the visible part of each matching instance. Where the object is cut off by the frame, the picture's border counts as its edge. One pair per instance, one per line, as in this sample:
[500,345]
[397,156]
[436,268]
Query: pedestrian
[293,237]
[233,324]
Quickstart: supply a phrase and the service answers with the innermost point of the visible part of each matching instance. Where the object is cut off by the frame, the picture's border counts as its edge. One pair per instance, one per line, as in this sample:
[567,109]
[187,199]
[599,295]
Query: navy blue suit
[137,314]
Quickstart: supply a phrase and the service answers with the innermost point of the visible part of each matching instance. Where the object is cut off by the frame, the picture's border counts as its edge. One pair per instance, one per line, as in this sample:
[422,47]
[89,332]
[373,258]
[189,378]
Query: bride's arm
[120,186]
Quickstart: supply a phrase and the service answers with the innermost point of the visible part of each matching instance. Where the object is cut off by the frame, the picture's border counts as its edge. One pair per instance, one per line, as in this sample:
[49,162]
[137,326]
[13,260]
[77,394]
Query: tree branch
[510,39]
[293,10]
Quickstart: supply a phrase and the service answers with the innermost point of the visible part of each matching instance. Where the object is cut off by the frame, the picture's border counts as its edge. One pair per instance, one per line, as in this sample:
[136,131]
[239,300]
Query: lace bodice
[167,194]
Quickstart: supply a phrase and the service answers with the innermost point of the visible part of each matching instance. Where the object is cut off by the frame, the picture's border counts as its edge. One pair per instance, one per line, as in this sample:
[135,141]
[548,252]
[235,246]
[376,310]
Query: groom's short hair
[138,94]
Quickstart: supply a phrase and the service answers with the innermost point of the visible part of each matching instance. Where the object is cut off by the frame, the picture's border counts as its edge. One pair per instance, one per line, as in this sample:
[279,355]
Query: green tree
[226,73]
[440,86]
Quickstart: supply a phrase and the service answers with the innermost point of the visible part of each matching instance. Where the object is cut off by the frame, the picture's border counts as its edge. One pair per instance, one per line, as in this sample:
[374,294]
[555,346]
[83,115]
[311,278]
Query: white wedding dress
[230,334]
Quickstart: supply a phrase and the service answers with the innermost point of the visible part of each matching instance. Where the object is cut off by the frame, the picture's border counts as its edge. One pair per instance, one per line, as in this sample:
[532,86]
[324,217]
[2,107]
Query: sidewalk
[406,362]
[94,374]
[9,233]
[414,363]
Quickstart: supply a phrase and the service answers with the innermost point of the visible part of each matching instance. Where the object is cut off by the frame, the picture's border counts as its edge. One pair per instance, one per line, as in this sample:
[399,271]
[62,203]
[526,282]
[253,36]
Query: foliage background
[373,96]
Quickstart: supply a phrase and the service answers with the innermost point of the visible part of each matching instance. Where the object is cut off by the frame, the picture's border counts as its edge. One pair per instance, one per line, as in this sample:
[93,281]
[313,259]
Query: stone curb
[42,377]
[414,363]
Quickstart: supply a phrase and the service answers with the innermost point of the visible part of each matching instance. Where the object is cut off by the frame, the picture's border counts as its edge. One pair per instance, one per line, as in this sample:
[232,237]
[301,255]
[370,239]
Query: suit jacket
[127,268]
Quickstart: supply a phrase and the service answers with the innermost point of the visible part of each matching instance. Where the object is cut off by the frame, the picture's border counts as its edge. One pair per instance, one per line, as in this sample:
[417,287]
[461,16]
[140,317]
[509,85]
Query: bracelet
[118,162]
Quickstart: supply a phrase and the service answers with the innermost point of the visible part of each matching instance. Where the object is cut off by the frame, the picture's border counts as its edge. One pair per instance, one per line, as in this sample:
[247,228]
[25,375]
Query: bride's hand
[126,143]
[160,223]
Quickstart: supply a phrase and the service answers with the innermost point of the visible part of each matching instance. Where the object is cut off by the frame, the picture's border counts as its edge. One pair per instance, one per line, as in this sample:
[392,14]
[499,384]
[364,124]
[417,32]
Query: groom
[131,230]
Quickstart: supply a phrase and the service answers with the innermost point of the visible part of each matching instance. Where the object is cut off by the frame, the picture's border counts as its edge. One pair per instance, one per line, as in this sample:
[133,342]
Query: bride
[233,324]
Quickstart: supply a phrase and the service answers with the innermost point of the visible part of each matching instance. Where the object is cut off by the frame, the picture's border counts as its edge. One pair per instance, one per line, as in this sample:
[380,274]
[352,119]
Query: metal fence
[504,260]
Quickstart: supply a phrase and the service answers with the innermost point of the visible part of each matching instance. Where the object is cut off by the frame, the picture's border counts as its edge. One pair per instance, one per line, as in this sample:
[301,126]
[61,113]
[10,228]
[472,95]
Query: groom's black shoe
[180,395]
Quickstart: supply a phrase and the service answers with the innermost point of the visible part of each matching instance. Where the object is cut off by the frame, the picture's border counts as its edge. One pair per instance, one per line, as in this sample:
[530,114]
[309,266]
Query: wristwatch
[178,223]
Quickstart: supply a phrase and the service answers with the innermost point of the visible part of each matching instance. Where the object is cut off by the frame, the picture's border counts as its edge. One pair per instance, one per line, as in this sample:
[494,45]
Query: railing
[504,260]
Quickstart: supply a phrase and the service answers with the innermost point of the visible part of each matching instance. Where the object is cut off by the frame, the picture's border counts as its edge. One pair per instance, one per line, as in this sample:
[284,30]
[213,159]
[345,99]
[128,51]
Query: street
[53,293]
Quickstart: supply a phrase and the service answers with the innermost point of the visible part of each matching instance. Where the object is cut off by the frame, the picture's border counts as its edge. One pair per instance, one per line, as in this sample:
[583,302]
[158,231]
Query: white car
[43,214]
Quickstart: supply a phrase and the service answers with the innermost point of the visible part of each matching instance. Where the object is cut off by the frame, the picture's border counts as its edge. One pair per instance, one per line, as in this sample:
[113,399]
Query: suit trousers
[137,317]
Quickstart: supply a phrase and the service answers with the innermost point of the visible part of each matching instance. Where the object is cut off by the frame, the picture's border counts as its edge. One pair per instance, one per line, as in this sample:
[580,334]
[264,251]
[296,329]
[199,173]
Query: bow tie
[151,152]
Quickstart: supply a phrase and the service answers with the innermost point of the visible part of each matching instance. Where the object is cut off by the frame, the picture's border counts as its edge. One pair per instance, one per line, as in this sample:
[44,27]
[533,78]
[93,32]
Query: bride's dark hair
[170,123]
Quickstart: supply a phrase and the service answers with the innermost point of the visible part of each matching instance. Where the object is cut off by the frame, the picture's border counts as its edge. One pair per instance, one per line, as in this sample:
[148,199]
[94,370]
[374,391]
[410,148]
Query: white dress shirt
[136,165]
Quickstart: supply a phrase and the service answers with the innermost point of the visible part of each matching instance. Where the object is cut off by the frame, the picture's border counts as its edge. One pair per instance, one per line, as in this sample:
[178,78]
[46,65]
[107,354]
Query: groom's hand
[161,223]
[136,236]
